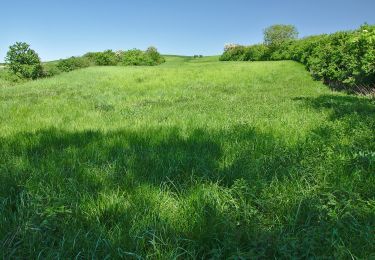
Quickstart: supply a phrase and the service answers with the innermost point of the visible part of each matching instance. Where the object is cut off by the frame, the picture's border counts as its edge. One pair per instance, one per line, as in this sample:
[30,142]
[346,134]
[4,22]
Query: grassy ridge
[194,158]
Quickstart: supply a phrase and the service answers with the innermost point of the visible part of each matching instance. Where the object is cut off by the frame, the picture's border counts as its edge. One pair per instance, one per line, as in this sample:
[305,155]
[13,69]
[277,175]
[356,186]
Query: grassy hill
[194,158]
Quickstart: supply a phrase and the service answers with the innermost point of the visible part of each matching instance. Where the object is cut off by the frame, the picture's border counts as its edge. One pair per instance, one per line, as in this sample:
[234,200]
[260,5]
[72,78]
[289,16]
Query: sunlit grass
[194,158]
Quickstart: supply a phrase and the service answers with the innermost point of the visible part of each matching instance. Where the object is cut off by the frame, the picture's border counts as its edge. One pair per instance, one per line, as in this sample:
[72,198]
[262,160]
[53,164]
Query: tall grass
[191,159]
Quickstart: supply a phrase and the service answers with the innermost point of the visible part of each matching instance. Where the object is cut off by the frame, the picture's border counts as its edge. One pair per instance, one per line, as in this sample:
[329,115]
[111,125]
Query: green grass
[191,159]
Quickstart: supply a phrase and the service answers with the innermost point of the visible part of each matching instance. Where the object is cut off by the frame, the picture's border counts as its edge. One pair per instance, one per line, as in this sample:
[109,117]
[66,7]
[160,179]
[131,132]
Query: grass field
[191,159]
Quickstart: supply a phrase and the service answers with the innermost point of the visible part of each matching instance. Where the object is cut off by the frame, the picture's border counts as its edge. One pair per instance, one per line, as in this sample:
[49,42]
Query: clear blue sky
[58,29]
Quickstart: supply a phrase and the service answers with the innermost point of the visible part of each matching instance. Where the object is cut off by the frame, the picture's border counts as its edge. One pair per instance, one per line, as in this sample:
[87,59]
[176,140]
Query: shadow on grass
[351,127]
[152,156]
[162,193]
[342,106]
[56,183]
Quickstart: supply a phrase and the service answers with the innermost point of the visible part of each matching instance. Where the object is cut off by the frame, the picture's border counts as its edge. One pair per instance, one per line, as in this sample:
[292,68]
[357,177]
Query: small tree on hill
[153,53]
[23,61]
[277,34]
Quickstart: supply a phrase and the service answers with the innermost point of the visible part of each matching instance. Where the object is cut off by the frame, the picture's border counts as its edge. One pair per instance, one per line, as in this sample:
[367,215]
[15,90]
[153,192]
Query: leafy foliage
[154,55]
[72,63]
[277,34]
[23,61]
[246,53]
[257,52]
[234,53]
[137,57]
[106,58]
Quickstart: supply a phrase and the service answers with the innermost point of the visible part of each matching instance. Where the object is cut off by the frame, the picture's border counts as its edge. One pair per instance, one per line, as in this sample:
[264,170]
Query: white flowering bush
[229,46]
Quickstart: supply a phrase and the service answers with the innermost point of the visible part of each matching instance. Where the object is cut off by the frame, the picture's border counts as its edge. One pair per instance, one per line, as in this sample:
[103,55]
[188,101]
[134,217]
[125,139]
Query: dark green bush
[246,53]
[8,76]
[50,69]
[346,58]
[105,58]
[154,55]
[23,61]
[136,57]
[256,52]
[234,53]
[91,57]
[150,57]
[72,63]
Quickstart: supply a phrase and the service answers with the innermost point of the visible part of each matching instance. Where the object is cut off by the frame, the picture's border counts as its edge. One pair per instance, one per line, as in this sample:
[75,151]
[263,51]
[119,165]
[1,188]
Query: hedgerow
[105,58]
[345,59]
[135,57]
[72,63]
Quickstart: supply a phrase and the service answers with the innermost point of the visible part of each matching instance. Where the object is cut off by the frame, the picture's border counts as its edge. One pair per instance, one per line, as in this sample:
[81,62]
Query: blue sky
[59,29]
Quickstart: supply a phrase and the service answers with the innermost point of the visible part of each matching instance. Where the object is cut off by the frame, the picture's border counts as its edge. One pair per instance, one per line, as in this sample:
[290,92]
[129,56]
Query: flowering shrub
[229,46]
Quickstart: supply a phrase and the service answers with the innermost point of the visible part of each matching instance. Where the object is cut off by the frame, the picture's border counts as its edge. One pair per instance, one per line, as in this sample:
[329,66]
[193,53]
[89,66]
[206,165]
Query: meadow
[194,158]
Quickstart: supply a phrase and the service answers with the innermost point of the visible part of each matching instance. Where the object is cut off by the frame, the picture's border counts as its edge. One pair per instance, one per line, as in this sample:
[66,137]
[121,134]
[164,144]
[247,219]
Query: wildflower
[229,46]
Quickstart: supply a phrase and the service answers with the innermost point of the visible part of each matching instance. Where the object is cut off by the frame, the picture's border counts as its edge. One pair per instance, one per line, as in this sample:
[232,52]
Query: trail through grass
[191,159]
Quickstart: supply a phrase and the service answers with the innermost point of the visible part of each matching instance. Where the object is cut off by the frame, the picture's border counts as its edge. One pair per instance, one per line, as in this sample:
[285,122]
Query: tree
[106,58]
[23,61]
[153,53]
[277,34]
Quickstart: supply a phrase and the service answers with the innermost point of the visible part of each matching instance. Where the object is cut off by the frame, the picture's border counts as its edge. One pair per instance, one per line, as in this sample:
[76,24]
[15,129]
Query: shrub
[9,77]
[155,56]
[134,57]
[106,58]
[72,63]
[339,59]
[137,57]
[346,58]
[91,56]
[233,53]
[256,53]
[23,61]
[245,53]
[50,69]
